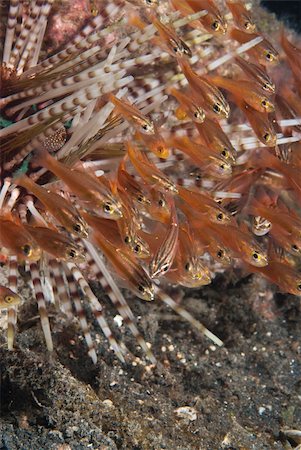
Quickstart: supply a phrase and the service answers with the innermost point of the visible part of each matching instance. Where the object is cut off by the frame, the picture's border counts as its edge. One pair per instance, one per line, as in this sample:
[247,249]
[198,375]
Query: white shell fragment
[186,412]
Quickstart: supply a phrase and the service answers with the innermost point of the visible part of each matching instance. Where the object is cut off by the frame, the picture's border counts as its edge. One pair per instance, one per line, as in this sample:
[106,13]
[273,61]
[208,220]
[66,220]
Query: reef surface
[241,396]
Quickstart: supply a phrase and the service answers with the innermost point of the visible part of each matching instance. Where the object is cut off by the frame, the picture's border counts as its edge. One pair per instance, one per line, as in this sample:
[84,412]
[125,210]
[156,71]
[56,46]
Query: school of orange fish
[155,148]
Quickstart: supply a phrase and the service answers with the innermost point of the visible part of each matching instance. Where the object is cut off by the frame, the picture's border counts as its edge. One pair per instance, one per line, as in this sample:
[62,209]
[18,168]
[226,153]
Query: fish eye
[137,248]
[151,2]
[187,267]
[161,202]
[127,239]
[220,216]
[295,247]
[9,299]
[72,253]
[107,207]
[160,149]
[175,46]
[140,199]
[186,50]
[215,25]
[199,114]
[217,108]
[266,104]
[267,137]
[220,253]
[225,153]
[299,286]
[270,56]
[148,127]
[255,255]
[77,228]
[141,288]
[269,87]
[26,249]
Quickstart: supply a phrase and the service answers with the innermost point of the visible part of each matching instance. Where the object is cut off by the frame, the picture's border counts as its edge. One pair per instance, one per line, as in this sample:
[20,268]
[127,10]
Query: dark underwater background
[288,11]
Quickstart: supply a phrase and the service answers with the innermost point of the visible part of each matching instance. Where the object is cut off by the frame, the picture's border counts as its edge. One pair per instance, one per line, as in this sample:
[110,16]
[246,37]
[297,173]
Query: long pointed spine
[61,288]
[96,308]
[82,317]
[12,311]
[113,292]
[10,29]
[187,316]
[39,294]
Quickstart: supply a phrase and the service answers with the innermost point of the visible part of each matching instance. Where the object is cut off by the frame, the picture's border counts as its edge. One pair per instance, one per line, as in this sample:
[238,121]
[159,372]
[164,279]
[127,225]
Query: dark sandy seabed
[241,397]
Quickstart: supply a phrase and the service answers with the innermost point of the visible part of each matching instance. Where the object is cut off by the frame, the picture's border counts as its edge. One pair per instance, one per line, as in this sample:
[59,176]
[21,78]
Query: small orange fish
[212,165]
[289,242]
[63,211]
[241,16]
[8,298]
[85,186]
[213,99]
[210,243]
[214,137]
[281,226]
[247,91]
[148,171]
[56,244]
[162,259]
[241,244]
[188,106]
[128,227]
[107,227]
[190,270]
[133,115]
[281,274]
[170,41]
[285,110]
[260,123]
[239,183]
[135,277]
[17,241]
[292,174]
[263,52]
[292,52]
[155,143]
[203,204]
[257,73]
[136,190]
[213,21]
[292,98]
[146,130]
[158,208]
